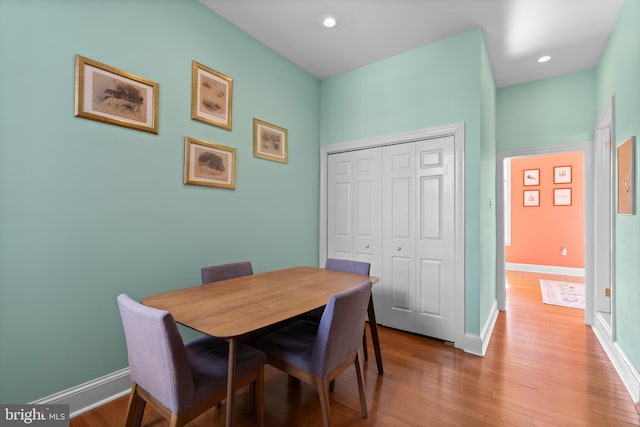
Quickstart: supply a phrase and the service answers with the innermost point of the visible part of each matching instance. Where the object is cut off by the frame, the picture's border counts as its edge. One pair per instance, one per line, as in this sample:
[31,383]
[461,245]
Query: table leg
[231,380]
[373,325]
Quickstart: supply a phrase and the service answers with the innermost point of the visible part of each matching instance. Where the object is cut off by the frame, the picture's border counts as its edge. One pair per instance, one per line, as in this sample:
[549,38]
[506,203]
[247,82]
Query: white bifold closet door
[418,237]
[354,217]
[393,207]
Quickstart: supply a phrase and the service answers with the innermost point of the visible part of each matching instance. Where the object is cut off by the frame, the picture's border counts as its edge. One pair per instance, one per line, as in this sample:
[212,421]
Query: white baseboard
[90,395]
[470,343]
[627,373]
[546,269]
[477,344]
[487,331]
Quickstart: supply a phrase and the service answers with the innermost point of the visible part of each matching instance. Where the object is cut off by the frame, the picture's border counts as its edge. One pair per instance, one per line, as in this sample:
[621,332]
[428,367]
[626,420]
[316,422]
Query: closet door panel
[435,237]
[431,280]
[398,183]
[354,217]
[340,221]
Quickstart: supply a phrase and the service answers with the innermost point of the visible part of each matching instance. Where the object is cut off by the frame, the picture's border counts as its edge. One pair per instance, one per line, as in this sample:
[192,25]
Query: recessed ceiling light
[329,22]
[544,58]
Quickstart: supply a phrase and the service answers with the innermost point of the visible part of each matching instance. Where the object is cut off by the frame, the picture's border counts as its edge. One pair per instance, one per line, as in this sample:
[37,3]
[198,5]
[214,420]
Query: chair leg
[364,344]
[373,326]
[258,395]
[135,408]
[174,421]
[252,397]
[363,400]
[325,406]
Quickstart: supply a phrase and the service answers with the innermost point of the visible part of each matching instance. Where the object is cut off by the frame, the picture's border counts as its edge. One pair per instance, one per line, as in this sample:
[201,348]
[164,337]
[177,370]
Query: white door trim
[587,149]
[457,130]
[604,208]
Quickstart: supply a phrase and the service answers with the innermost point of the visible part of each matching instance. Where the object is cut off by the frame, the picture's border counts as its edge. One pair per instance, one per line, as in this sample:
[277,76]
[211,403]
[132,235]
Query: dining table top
[239,306]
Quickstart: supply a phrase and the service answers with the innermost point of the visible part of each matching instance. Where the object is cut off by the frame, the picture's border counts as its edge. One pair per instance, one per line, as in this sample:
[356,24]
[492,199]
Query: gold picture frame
[211,96]
[109,95]
[209,164]
[270,142]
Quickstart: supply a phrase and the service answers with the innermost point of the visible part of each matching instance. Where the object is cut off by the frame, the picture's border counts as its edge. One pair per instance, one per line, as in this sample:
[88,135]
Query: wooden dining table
[237,308]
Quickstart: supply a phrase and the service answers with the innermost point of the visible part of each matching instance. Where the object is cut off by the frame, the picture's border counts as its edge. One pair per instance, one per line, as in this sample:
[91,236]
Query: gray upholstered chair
[179,380]
[215,273]
[349,266]
[346,265]
[317,353]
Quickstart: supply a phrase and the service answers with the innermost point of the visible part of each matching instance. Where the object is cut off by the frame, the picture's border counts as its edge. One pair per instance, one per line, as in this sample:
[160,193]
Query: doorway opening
[546,187]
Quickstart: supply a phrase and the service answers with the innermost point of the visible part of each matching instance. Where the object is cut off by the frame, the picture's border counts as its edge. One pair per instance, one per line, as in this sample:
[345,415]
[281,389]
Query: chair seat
[209,357]
[292,344]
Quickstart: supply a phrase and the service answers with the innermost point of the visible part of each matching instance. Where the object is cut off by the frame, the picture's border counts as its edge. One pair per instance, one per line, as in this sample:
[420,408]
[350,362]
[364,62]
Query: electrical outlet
[564,251]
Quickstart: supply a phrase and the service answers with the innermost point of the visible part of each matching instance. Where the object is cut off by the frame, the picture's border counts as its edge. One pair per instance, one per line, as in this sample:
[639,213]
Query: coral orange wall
[539,233]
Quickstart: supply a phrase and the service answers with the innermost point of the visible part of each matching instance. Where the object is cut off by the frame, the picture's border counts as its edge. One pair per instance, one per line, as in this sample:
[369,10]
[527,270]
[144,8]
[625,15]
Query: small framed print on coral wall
[561,197]
[531,197]
[531,177]
[562,175]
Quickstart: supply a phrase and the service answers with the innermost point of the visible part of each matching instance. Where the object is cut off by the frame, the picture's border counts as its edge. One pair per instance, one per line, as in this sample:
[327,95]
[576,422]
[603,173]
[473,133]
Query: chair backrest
[340,331]
[157,358]
[216,273]
[349,266]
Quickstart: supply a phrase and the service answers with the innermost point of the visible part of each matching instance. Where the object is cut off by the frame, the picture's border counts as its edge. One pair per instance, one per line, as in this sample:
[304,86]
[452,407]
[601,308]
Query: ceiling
[517,32]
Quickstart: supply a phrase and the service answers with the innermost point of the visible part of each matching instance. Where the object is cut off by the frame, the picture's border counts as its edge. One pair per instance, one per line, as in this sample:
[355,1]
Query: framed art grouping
[211,96]
[109,95]
[209,164]
[531,198]
[531,177]
[270,141]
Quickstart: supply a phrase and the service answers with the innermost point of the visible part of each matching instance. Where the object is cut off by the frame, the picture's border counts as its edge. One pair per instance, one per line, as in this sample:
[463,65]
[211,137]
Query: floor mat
[566,294]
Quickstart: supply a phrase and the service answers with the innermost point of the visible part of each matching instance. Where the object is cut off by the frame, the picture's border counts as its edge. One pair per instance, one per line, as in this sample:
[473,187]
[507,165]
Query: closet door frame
[466,342]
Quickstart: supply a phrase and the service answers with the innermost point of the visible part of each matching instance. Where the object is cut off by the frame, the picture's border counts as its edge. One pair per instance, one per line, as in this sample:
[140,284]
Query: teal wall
[487,188]
[547,112]
[89,210]
[618,74]
[431,86]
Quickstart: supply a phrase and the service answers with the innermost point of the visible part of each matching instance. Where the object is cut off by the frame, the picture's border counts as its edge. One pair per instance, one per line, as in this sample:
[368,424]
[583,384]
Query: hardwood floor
[543,367]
